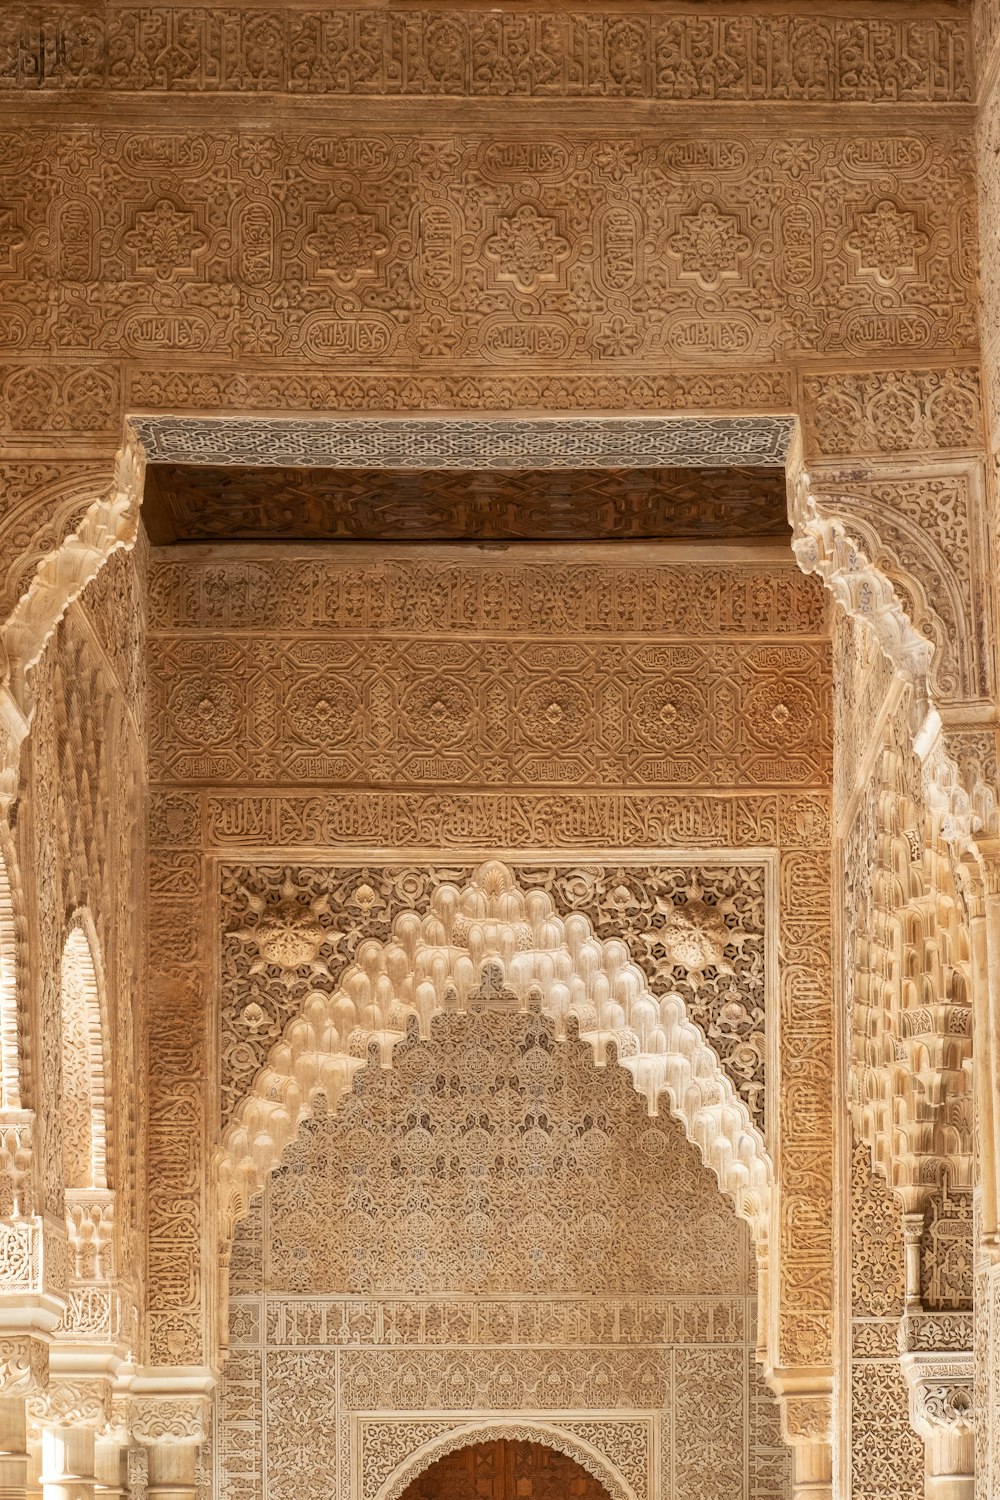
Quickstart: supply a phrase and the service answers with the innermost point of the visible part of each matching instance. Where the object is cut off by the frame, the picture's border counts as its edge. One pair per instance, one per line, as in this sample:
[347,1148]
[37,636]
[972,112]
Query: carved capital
[941,1400]
[988,867]
[169,1419]
[24,1366]
[806,1418]
[72,1403]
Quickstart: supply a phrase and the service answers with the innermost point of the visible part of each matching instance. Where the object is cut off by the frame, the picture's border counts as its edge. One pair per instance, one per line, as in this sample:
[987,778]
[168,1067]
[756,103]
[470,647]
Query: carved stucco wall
[217,721]
[493,1228]
[986,17]
[130,283]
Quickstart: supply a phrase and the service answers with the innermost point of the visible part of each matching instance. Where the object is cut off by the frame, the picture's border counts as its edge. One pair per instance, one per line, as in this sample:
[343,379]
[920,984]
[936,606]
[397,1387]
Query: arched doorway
[505,1469]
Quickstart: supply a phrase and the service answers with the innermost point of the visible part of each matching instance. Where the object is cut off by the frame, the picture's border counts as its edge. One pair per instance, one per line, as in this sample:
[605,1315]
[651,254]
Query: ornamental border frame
[491,1427]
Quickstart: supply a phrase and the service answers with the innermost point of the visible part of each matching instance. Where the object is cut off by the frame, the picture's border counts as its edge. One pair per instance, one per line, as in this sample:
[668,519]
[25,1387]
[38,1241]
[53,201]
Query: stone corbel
[941,1411]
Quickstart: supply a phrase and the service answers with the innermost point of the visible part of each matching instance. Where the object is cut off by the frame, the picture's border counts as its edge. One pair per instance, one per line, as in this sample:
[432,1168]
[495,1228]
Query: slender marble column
[13,1448]
[68,1463]
[171,1471]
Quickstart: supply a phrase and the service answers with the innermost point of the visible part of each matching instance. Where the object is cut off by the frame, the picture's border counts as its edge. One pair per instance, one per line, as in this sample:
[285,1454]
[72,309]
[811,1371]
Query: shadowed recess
[187,502]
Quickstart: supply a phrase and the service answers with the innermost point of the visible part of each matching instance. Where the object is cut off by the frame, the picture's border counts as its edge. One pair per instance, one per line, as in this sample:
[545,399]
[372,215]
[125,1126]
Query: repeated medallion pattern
[433,250]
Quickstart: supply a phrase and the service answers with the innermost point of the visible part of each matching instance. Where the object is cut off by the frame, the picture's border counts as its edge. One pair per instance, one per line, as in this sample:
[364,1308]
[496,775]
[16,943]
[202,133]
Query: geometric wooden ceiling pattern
[190,502]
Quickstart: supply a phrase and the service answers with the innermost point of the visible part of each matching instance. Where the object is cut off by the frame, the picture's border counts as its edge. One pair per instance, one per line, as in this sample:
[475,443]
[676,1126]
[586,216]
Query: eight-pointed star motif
[288,932]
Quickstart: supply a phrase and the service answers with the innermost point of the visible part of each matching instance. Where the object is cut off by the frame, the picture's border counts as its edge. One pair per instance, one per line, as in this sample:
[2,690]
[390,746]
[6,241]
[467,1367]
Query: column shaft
[13,1449]
[812,1471]
[950,1465]
[111,1470]
[172,1471]
[68,1463]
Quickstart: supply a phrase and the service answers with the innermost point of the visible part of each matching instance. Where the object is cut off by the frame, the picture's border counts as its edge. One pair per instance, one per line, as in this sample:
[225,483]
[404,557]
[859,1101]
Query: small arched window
[83,1096]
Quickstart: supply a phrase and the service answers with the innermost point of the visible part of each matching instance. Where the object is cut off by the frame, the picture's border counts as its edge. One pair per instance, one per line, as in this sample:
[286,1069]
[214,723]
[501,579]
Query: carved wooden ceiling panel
[187,502]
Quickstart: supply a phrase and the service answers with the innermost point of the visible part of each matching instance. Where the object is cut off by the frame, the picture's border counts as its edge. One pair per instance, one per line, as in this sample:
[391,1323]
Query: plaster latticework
[385,1268]
[489,945]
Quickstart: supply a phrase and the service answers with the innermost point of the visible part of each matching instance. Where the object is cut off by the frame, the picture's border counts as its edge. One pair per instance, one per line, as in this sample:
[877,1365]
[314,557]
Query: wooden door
[505,1470]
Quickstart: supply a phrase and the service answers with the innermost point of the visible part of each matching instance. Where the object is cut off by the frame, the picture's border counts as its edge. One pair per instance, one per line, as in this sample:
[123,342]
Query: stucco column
[68,1463]
[806,1425]
[111,1466]
[24,1369]
[812,1471]
[172,1471]
[33,1484]
[70,1413]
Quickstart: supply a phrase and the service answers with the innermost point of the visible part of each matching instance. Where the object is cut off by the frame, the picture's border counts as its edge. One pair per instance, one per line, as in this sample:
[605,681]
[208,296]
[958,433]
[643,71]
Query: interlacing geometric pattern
[493,1224]
[401,237]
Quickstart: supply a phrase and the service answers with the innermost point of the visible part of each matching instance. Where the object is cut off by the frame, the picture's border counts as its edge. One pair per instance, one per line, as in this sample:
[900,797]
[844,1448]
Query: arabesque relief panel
[158,252]
[478,1267]
[455,602]
[485,248]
